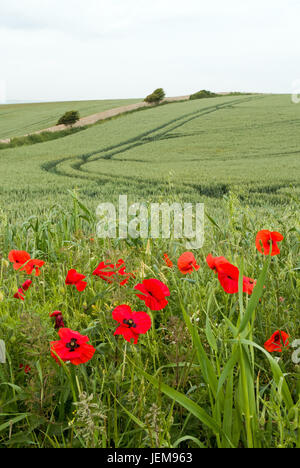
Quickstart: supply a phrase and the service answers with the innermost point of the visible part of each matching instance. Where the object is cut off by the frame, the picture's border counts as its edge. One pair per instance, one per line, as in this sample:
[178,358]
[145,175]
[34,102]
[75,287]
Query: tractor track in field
[159,133]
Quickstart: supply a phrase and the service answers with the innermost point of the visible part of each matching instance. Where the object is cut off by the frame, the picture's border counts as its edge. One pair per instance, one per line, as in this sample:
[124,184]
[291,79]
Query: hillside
[21,119]
[202,148]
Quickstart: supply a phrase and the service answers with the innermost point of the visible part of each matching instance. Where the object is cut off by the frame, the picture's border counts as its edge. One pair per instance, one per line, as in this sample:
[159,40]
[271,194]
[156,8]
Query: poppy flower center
[130,323]
[277,338]
[72,345]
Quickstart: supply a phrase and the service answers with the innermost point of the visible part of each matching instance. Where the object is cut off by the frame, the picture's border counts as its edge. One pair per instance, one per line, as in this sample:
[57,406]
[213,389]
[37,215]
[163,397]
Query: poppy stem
[116,352]
[73,379]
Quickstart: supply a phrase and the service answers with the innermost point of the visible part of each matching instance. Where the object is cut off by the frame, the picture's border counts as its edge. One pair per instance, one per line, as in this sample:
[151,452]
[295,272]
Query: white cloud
[88,49]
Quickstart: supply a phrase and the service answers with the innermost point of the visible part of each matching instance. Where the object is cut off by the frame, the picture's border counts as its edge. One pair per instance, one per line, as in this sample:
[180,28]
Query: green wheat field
[201,376]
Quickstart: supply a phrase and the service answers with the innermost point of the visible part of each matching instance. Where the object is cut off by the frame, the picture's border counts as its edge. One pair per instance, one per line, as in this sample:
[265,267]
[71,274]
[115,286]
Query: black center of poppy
[277,338]
[72,345]
[130,323]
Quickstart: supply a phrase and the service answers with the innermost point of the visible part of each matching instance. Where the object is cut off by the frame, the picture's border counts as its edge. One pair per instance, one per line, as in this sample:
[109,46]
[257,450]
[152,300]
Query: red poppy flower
[213,262]
[27,369]
[154,293]
[75,278]
[265,239]
[19,294]
[26,285]
[167,261]
[132,324]
[59,322]
[105,271]
[110,272]
[22,261]
[277,341]
[72,347]
[18,258]
[228,276]
[248,285]
[187,263]
[21,291]
[121,270]
[34,265]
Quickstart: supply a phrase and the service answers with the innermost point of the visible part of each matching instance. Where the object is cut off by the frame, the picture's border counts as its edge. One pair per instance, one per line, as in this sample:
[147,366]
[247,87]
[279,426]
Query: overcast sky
[100,49]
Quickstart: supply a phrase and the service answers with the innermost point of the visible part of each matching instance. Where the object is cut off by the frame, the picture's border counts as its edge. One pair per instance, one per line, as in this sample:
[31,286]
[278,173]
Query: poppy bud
[59,323]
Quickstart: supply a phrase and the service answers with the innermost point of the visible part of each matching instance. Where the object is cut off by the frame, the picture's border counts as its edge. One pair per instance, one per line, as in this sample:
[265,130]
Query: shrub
[203,94]
[238,93]
[157,96]
[69,118]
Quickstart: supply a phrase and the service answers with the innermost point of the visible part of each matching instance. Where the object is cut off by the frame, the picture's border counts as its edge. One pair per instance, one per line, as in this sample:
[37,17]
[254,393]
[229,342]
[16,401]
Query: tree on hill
[157,96]
[69,118]
[203,94]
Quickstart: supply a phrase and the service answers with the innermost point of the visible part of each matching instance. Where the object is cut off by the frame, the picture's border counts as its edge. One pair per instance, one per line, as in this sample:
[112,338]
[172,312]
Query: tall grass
[199,378]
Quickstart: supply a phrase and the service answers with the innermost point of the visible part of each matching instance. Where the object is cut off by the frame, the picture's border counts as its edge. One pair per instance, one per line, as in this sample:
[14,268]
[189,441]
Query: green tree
[157,96]
[69,118]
